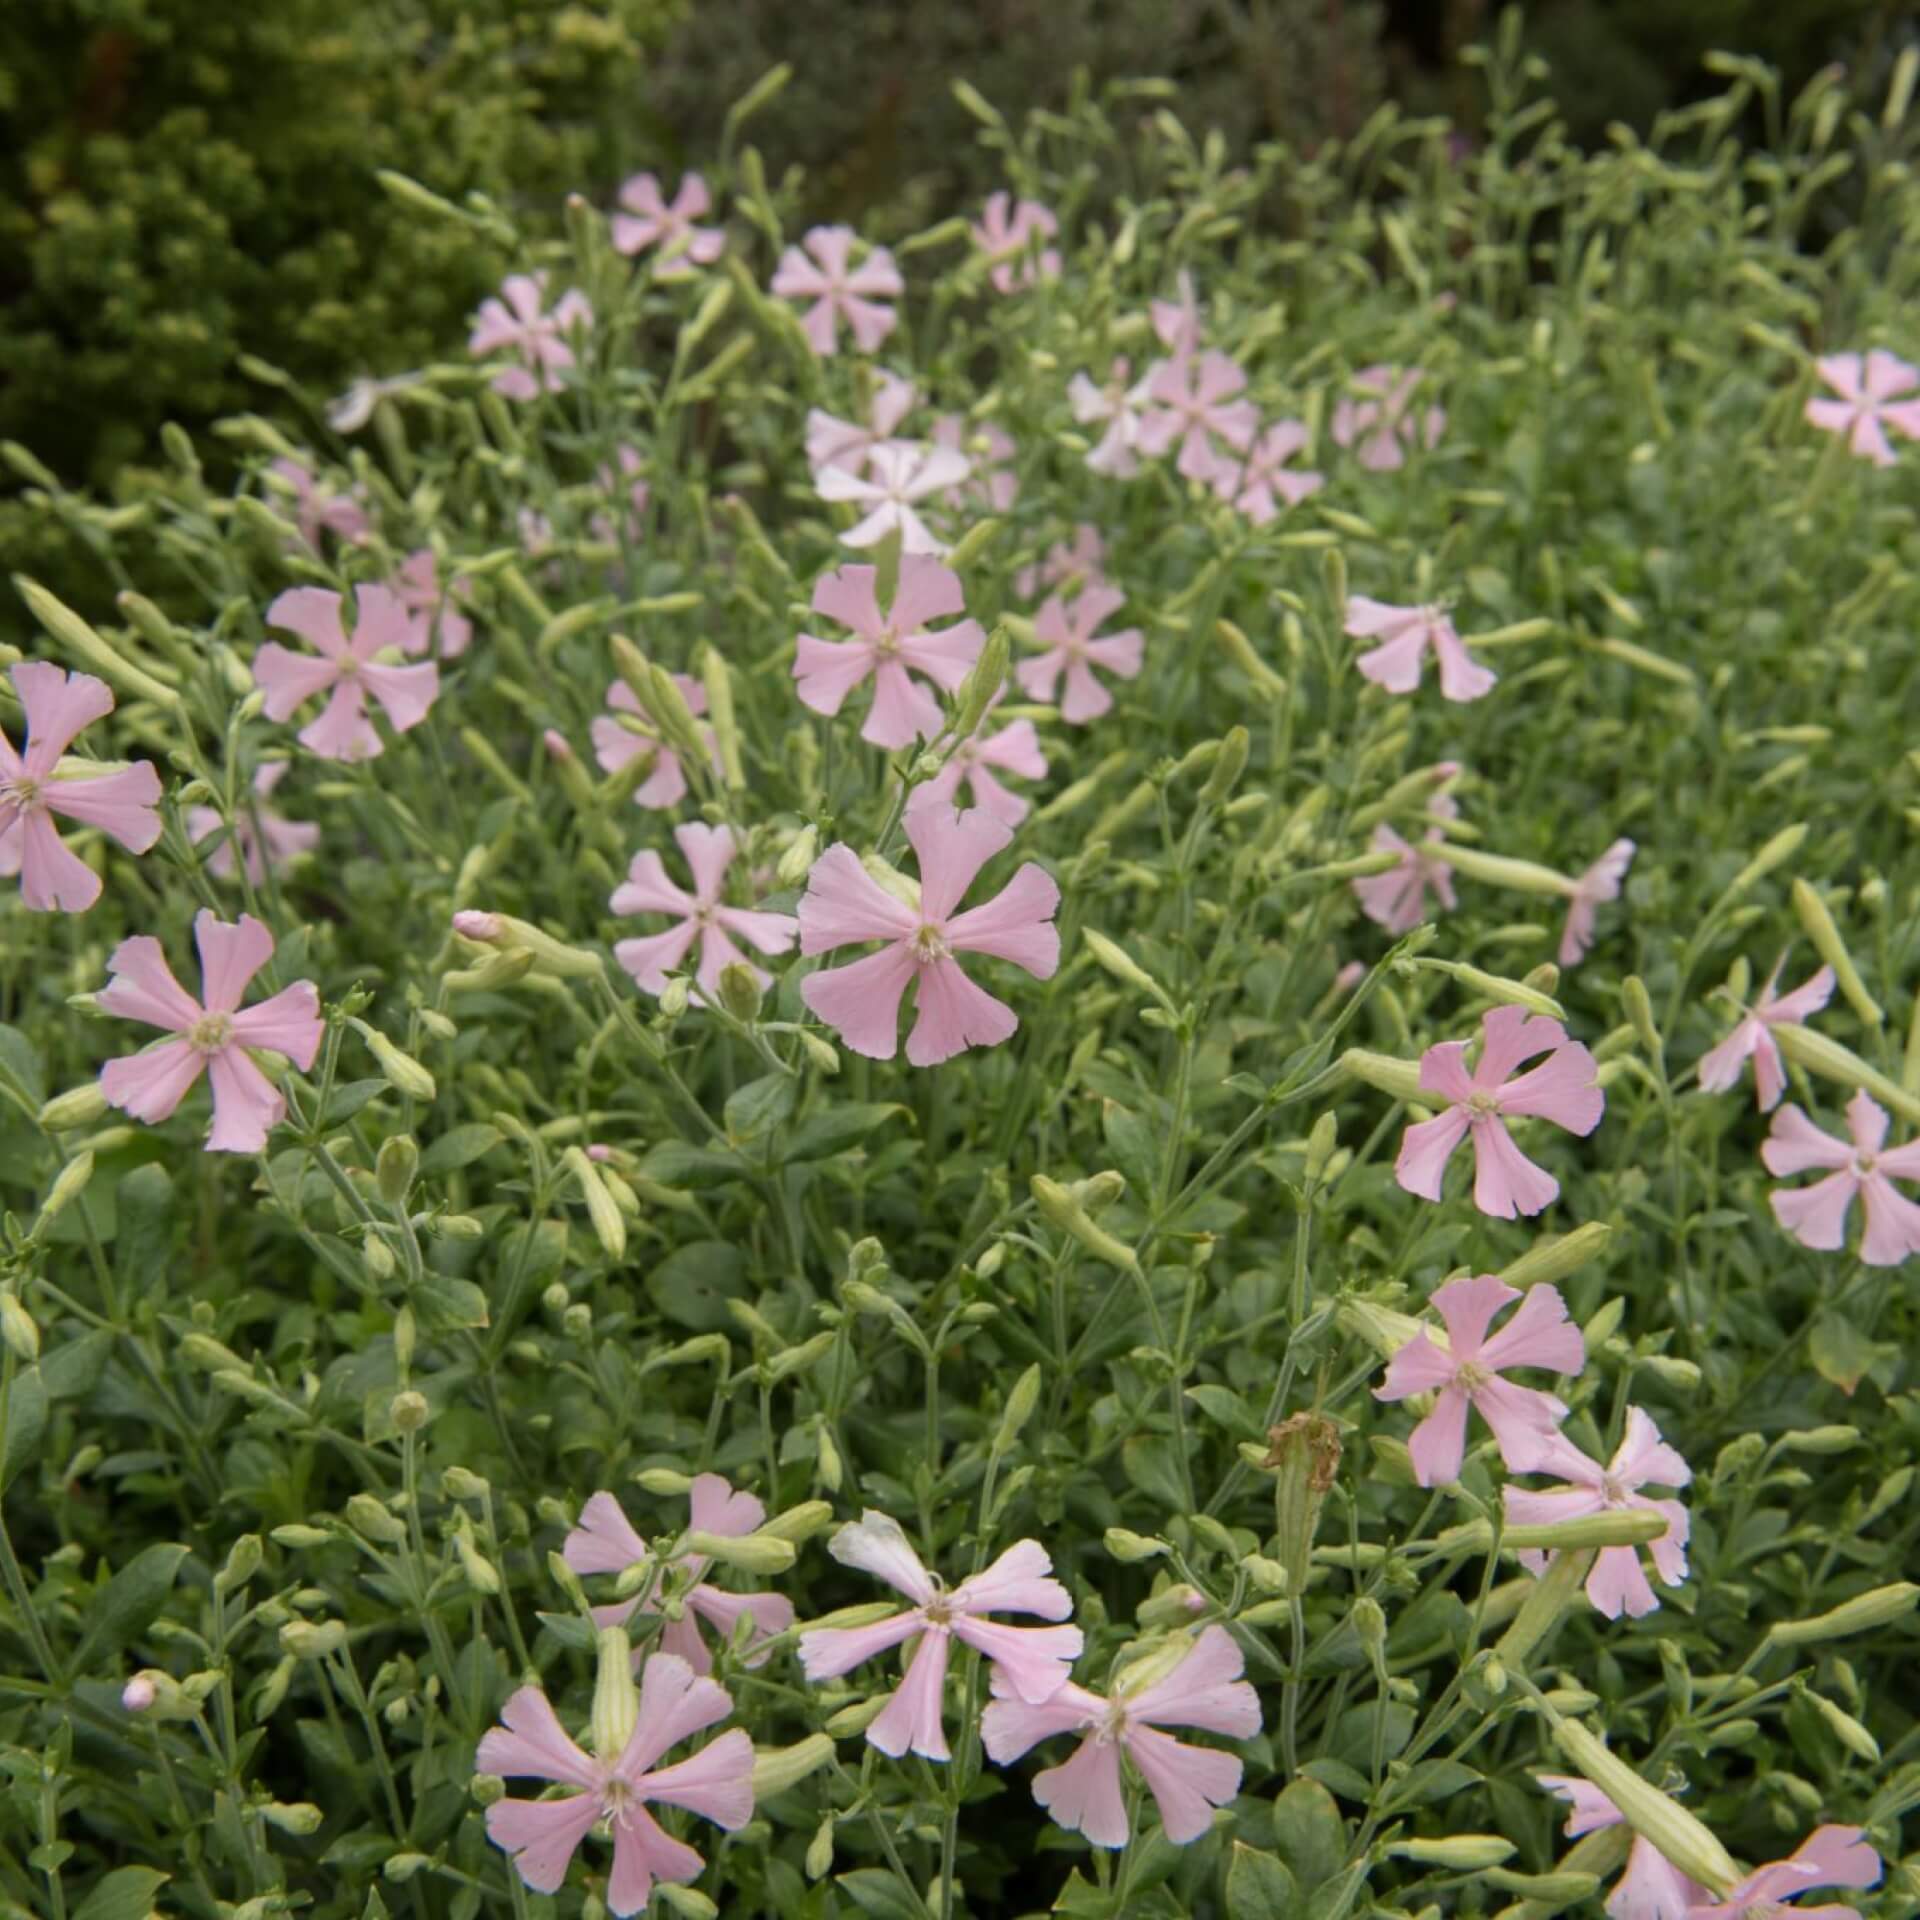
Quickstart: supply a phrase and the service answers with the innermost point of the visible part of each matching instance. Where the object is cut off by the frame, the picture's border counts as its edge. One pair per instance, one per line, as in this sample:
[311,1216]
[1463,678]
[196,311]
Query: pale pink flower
[622,473]
[1383,424]
[1816,1216]
[542,1835]
[346,666]
[1193,404]
[1405,634]
[275,843]
[1869,401]
[318,508]
[1752,1039]
[1176,322]
[1617,1583]
[1072,566]
[535,532]
[1007,235]
[1563,1088]
[617,741]
[833,442]
[1251,483]
[1075,650]
[1827,1857]
[703,914]
[1121,406]
[441,627]
[900,473]
[1014,749]
[1349,976]
[1084,1794]
[990,451]
[518,322]
[214,1039]
[890,648]
[1035,1661]
[606,1541]
[138,1695]
[1600,883]
[122,802]
[1397,899]
[839,290]
[650,220]
[1652,1888]
[1467,1371]
[844,906]
[354,408]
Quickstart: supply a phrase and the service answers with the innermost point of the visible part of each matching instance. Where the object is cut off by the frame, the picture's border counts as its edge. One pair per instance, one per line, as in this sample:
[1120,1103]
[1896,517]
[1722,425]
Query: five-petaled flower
[890,648]
[1827,1857]
[1193,404]
[264,839]
[1617,1583]
[518,322]
[649,219]
[703,915]
[120,801]
[620,1779]
[606,1541]
[844,906]
[1008,233]
[1121,404]
[1869,403]
[1034,1661]
[1563,1088]
[1084,1794]
[1467,1371]
[317,507]
[1252,482]
[1652,1888]
[1816,1216]
[1753,1037]
[621,736]
[1397,899]
[1176,322]
[1600,883]
[1072,565]
[441,627]
[833,442]
[1073,648]
[1383,423]
[348,664]
[1405,634]
[900,473]
[990,452]
[839,290]
[213,1039]
[1014,749]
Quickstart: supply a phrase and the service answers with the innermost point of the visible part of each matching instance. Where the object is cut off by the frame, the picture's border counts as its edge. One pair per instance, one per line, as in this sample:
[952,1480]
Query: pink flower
[1816,1216]
[441,627]
[1869,401]
[1599,884]
[318,509]
[122,802]
[990,452]
[1466,1373]
[617,742]
[1251,485]
[1084,1794]
[1122,408]
[1033,1660]
[1752,1039]
[651,221]
[1397,899]
[215,1039]
[1405,634]
[1382,425]
[622,471]
[1827,1857]
[542,1835]
[890,649]
[844,906]
[1014,749]
[839,291]
[1070,566]
[515,322]
[1176,323]
[605,1541]
[1563,1089]
[535,532]
[708,851]
[833,442]
[1073,649]
[276,842]
[346,664]
[1652,1888]
[1617,1583]
[1192,403]
[1007,234]
[899,474]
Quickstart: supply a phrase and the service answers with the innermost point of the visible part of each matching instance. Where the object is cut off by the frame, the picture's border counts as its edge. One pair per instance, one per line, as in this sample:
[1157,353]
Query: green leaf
[26,1424]
[445,1303]
[675,1164]
[760,1106]
[75,1368]
[144,1236]
[1843,1355]
[1148,1462]
[1259,1887]
[20,1068]
[835,1128]
[1309,1833]
[347,1099]
[692,1285]
[127,1605]
[126,1893]
[874,1890]
[1130,1140]
[459,1147]
[1226,1409]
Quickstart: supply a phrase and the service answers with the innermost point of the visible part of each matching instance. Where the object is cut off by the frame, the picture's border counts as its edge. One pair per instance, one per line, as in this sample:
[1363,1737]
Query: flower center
[1480,1103]
[210,1033]
[887,645]
[930,944]
[1612,1492]
[938,1612]
[1471,1376]
[1112,1725]
[1863,1164]
[22,793]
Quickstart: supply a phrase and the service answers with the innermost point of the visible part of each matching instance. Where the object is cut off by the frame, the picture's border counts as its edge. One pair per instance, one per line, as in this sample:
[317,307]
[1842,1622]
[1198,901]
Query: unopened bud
[17,1328]
[616,1701]
[1556,1258]
[1846,1729]
[1172,1606]
[1820,1440]
[409,1411]
[481,1574]
[740,991]
[313,1639]
[78,1107]
[674,996]
[1320,1145]
[1228,768]
[1462,1852]
[777,1769]
[547,954]
[1519,876]
[797,861]
[1813,915]
[1677,1833]
[1398,1078]
[1060,1209]
[69,1184]
[369,1515]
[603,1212]
[1862,1614]
[1132,1547]
[462,1483]
[1115,959]
[982,684]
[1681,1375]
[688,1900]
[297,1817]
[404,1074]
[394,1168]
[1241,651]
[761,1552]
[819,1860]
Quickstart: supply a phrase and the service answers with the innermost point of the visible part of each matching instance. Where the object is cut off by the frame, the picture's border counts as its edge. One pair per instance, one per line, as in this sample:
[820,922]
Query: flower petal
[861,1002]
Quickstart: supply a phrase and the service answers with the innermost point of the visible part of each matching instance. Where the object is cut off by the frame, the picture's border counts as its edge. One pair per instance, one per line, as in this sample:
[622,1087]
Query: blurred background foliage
[182,181]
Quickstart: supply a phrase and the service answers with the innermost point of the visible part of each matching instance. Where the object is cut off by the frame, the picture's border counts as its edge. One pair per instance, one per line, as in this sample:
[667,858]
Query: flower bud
[404,1074]
[1813,915]
[1846,1729]
[547,954]
[819,1860]
[761,1552]
[718,685]
[1399,1078]
[69,1184]
[663,1481]
[1669,1826]
[1462,1852]
[313,1640]
[461,1483]
[1681,1375]
[1228,768]
[401,1867]
[777,1769]
[1831,1061]
[17,1328]
[1303,1455]
[368,1515]
[1519,876]
[460,1226]
[1879,1608]
[1633,994]
[1059,1208]
[1129,1547]
[674,997]
[1241,651]
[1172,1606]
[688,1900]
[1493,986]
[1320,1145]
[740,992]
[298,1817]
[377,1257]
[78,1107]
[1115,959]
[982,684]
[409,1411]
[820,1052]
[1553,1259]
[858,1717]
[616,1701]
[609,1227]
[796,862]
[1820,1440]
[394,1168]
[480,1572]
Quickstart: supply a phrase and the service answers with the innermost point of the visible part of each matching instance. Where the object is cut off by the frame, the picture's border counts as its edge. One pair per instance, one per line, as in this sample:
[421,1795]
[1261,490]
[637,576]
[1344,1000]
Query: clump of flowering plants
[1110,1257]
